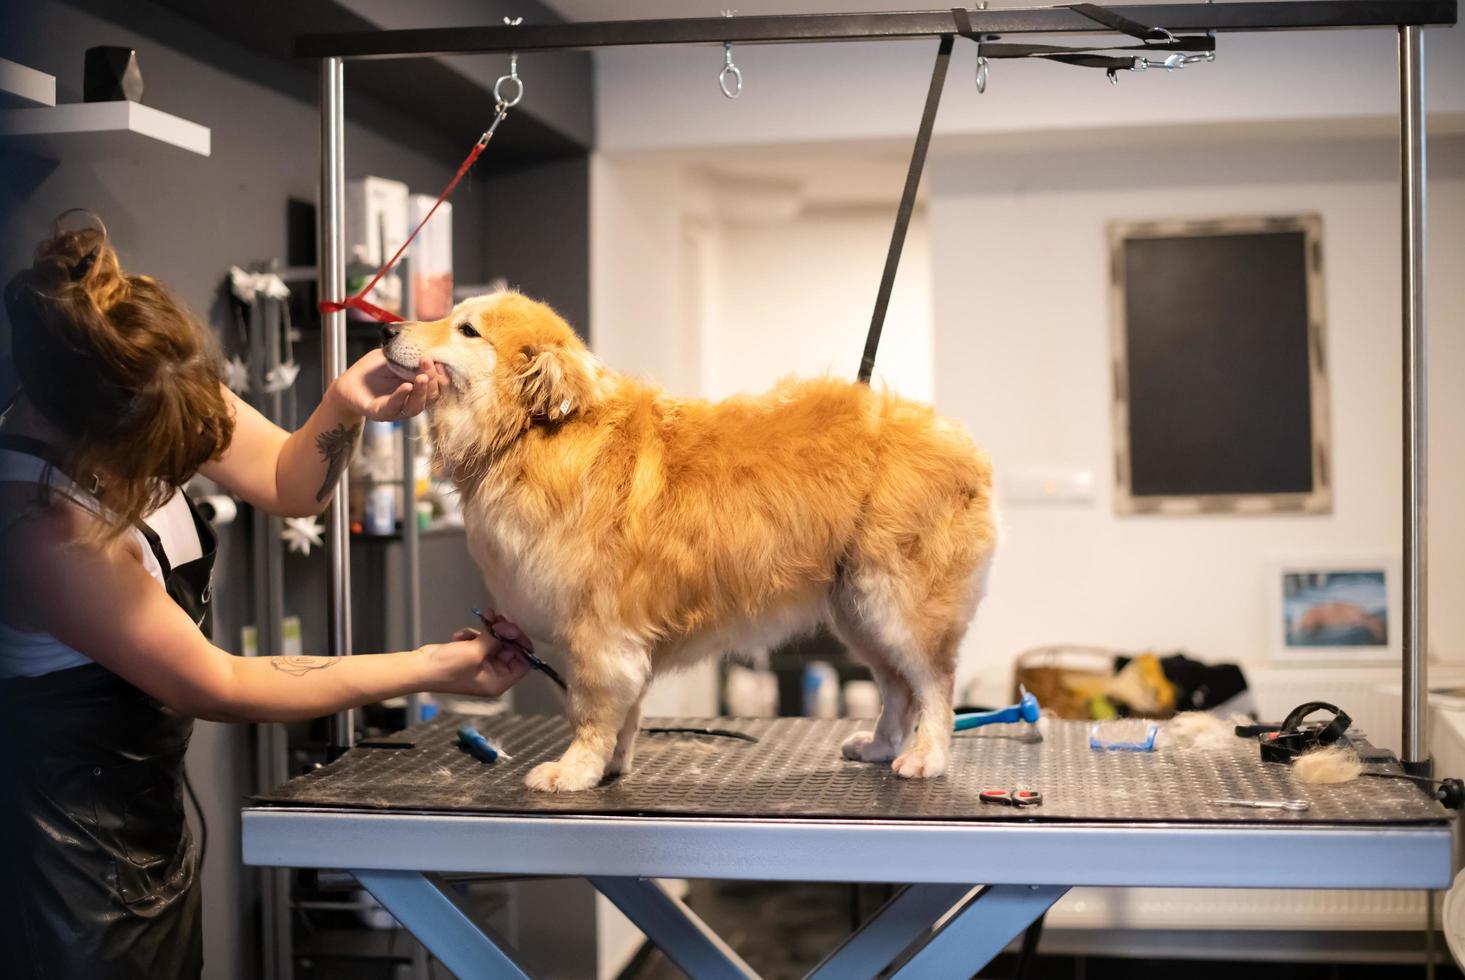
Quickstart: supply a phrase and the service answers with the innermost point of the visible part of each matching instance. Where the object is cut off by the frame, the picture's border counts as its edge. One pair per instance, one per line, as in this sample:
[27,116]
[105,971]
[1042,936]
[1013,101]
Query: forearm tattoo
[336,447]
[300,666]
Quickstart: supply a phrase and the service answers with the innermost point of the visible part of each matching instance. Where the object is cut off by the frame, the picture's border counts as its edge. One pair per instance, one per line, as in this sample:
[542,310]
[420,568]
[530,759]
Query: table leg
[890,931]
[979,930]
[470,951]
[674,929]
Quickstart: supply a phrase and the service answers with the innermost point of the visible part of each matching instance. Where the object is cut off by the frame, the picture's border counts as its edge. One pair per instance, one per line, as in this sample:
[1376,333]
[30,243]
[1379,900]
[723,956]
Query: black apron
[97,864]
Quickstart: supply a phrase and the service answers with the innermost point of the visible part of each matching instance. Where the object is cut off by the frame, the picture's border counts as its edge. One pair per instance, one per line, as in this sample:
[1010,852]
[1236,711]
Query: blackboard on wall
[1219,388]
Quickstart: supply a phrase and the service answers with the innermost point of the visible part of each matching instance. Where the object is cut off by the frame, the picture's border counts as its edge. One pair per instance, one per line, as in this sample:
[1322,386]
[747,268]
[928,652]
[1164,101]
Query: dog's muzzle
[396,357]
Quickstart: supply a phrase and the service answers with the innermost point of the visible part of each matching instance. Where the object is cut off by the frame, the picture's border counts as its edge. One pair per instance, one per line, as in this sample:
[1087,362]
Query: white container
[431,254]
[821,690]
[861,699]
[751,693]
[381,510]
[376,226]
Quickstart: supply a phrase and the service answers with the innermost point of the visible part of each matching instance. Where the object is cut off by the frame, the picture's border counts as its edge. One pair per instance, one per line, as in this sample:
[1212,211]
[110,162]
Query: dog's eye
[467,330]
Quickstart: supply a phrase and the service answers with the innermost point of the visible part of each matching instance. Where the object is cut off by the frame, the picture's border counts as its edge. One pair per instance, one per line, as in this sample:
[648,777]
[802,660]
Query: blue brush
[1026,710]
[479,747]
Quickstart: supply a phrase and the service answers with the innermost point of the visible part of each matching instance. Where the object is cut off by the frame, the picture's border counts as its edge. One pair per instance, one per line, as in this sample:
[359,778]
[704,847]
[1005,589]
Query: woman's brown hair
[122,368]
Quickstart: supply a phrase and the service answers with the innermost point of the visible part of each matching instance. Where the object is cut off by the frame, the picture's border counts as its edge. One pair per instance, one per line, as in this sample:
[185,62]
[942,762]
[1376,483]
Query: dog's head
[511,362]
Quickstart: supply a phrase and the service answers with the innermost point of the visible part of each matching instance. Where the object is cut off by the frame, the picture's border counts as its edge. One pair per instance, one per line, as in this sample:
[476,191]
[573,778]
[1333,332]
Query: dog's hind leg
[625,750]
[910,630]
[607,679]
[932,680]
[894,726]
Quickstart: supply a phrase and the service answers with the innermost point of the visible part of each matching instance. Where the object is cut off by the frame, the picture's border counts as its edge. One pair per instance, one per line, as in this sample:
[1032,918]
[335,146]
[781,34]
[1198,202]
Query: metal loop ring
[498,93]
[982,71]
[730,80]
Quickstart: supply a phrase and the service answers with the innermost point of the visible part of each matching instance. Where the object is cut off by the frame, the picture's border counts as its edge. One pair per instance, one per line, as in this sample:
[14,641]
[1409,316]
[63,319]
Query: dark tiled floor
[784,930]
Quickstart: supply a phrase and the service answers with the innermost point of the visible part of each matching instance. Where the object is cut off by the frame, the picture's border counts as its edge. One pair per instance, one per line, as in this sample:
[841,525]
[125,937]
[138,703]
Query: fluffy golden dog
[642,532]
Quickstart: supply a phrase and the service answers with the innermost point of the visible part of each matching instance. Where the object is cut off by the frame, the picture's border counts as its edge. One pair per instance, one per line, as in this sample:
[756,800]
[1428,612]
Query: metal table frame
[943,925]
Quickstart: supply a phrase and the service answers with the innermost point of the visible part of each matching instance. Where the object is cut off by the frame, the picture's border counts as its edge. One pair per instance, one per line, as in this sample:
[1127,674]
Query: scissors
[490,624]
[1012,797]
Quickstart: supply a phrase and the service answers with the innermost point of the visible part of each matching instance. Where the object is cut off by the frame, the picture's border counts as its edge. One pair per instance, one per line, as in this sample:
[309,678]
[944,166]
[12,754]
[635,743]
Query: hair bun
[81,256]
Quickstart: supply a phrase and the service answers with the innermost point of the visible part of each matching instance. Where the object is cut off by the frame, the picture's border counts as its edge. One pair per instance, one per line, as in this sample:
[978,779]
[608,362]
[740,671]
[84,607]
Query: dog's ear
[554,381]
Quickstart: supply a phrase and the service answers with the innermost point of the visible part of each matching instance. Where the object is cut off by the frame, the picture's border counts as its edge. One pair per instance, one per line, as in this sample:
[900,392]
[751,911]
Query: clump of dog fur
[643,532]
[1199,731]
[1328,765]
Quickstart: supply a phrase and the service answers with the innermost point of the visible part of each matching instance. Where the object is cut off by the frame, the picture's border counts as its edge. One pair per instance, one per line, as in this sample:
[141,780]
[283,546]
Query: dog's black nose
[389,332]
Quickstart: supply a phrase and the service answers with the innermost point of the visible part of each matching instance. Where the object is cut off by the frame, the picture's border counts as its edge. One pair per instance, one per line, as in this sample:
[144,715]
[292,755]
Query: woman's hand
[477,664]
[372,389]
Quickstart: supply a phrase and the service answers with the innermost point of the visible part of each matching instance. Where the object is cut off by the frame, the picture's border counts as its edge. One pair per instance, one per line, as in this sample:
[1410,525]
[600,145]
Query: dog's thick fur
[642,532]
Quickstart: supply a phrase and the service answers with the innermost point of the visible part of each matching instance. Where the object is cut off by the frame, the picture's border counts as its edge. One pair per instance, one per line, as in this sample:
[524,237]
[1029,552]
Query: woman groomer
[104,577]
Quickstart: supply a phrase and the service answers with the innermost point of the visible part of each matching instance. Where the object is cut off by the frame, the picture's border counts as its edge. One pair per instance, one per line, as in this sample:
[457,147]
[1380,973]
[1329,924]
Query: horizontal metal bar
[1253,16]
[1006,852]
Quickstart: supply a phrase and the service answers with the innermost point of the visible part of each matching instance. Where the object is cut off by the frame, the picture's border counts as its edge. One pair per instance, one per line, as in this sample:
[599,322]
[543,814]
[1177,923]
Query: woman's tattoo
[300,666]
[336,447]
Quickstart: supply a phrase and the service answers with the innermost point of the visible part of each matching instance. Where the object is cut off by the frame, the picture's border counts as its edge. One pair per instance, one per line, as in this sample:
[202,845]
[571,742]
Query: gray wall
[186,219]
[537,235]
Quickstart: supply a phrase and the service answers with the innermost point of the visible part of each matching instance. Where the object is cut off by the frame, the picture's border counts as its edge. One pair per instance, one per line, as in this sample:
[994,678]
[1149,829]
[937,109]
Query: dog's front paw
[920,765]
[561,777]
[864,747]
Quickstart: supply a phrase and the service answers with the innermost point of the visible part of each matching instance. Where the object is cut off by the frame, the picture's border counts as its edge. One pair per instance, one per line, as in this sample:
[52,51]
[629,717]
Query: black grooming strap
[1123,25]
[907,204]
[1155,38]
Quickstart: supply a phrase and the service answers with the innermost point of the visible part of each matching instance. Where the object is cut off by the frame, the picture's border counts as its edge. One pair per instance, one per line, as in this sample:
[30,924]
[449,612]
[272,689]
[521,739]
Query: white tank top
[27,654]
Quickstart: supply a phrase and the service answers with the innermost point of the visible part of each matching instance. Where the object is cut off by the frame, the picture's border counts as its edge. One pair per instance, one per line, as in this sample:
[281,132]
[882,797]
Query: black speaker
[111,75]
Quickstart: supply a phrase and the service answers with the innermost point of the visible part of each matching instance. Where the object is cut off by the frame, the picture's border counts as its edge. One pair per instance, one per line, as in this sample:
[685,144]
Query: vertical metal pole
[332,260]
[1415,746]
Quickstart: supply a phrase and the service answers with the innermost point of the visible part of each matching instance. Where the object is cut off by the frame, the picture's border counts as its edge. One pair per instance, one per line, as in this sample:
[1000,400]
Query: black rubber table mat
[795,770]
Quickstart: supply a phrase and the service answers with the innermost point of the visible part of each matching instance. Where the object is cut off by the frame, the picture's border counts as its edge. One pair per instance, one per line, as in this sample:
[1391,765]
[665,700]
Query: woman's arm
[295,474]
[104,604]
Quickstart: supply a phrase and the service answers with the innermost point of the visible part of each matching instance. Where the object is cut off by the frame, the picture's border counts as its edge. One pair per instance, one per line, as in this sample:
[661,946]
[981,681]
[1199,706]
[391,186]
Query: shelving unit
[100,129]
[22,87]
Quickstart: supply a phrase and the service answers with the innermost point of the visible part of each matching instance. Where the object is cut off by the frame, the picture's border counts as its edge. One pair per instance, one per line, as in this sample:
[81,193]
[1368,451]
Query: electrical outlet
[1047,485]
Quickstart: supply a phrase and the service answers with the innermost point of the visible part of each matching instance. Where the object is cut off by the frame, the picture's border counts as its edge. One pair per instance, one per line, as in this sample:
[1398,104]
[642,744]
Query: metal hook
[512,76]
[983,69]
[730,79]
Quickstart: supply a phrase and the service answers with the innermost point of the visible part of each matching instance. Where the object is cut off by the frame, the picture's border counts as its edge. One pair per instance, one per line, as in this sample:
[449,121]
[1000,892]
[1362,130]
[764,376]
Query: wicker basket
[1064,677]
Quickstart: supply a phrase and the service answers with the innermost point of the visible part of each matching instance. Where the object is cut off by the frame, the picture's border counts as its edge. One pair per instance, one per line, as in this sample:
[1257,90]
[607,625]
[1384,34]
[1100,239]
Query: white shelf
[21,86]
[99,129]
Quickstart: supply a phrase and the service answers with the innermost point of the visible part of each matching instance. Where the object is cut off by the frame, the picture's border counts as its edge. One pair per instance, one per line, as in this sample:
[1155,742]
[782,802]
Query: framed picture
[1219,368]
[1334,611]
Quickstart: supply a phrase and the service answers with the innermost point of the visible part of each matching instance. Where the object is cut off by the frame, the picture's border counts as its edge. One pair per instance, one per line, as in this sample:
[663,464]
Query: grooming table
[790,808]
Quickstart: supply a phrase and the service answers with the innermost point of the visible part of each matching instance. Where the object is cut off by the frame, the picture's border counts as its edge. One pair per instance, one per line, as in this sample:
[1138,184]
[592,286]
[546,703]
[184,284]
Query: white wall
[1020,262]
[706,290]
[795,297]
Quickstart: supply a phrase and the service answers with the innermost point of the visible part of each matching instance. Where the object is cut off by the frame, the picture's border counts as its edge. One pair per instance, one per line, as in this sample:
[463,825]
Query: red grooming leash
[359,301]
